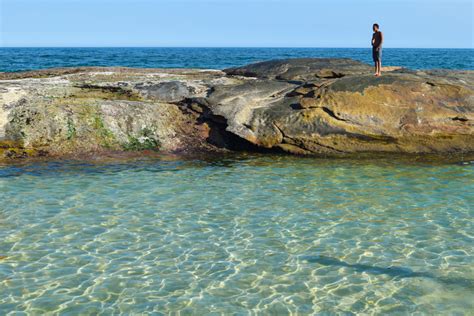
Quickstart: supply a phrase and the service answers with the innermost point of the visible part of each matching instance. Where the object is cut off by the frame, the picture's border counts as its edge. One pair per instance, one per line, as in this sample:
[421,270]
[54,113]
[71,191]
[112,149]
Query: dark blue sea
[17,59]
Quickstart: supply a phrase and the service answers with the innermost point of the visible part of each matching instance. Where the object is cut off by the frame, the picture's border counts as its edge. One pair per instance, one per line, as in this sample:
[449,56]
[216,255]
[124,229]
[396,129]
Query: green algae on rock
[300,106]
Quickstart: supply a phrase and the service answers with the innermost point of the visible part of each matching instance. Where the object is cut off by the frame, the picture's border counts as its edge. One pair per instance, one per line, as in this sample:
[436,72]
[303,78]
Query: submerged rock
[301,106]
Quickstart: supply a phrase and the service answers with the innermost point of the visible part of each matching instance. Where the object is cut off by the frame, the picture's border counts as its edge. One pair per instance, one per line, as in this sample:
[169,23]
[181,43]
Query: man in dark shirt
[377,41]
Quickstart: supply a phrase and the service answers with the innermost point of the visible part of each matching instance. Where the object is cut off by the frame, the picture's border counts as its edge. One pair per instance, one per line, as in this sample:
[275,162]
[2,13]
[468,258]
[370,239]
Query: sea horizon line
[239,47]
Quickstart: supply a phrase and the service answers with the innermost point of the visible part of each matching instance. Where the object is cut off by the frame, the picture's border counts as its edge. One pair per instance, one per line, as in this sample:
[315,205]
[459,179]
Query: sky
[235,23]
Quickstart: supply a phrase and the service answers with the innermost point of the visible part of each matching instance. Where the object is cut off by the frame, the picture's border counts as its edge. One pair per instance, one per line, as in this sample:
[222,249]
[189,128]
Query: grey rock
[301,69]
[172,91]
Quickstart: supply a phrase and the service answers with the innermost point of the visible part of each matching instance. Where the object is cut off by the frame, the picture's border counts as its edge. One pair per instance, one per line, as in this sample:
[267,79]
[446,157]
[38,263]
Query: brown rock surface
[301,106]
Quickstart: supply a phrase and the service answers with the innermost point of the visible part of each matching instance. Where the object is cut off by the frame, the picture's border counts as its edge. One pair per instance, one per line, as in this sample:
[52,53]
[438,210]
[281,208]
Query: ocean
[238,233]
[17,59]
[271,235]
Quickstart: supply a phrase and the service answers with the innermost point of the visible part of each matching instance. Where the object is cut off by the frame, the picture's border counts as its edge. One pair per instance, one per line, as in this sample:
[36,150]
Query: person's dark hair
[376,25]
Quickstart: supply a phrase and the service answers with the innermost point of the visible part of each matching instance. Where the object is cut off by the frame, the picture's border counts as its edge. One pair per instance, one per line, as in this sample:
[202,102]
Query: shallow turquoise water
[265,234]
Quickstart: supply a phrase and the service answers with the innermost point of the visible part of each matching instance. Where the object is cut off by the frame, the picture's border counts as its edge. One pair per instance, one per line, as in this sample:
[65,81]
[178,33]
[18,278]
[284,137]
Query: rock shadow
[393,271]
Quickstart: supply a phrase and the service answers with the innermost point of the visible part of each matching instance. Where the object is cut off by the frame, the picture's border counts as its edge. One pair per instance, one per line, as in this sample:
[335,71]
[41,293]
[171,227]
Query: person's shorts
[377,54]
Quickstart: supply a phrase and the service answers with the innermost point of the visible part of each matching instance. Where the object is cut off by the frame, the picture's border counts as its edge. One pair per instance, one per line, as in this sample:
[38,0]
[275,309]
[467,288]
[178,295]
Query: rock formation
[300,106]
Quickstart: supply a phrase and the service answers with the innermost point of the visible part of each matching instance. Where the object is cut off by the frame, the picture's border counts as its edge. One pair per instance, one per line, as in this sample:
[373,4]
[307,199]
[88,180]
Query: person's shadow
[395,272]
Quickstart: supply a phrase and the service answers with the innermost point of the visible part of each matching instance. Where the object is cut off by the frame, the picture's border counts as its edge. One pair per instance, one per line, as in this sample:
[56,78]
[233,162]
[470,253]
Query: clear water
[15,59]
[269,234]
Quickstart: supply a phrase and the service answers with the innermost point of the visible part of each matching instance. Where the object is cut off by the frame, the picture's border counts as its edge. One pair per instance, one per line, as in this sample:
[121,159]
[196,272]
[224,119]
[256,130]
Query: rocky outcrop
[301,106]
[302,69]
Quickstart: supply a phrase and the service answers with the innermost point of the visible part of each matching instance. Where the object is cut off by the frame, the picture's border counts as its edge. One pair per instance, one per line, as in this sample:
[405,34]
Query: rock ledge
[300,106]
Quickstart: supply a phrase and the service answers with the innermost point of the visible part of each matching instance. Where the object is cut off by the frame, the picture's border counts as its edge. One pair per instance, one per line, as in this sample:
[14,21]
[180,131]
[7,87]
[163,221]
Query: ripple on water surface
[268,234]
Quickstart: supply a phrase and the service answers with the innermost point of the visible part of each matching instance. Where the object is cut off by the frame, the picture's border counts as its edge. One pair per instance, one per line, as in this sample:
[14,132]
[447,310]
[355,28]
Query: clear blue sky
[261,23]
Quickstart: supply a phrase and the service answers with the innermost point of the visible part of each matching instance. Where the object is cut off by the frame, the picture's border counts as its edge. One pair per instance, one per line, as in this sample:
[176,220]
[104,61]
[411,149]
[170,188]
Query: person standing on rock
[377,41]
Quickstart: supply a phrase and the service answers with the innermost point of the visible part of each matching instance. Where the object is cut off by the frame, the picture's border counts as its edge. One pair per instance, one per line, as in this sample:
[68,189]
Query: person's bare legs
[378,68]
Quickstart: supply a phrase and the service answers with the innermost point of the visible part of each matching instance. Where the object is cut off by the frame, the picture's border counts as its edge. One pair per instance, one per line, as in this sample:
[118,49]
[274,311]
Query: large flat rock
[396,113]
[301,106]
[302,69]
